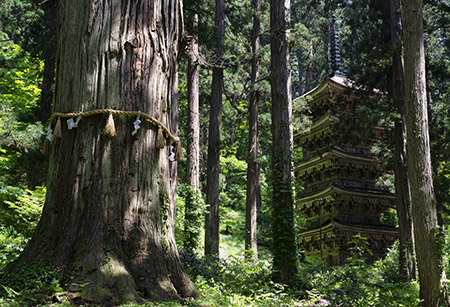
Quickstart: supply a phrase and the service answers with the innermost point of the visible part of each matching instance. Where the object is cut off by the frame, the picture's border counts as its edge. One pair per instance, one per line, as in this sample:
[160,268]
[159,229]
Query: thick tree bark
[284,250]
[253,171]
[110,201]
[428,240]
[213,164]
[402,190]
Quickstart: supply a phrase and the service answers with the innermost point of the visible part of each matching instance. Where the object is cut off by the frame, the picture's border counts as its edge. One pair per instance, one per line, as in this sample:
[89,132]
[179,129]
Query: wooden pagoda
[341,198]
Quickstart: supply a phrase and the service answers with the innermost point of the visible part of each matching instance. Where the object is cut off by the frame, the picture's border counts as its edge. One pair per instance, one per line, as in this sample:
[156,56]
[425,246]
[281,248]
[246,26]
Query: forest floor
[233,281]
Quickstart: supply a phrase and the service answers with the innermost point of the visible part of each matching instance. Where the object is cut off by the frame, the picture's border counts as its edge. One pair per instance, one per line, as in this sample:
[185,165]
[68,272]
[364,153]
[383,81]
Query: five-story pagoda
[341,198]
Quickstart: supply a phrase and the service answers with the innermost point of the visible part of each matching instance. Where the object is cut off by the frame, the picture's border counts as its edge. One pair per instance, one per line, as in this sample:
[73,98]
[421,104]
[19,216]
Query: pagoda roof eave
[336,153]
[339,83]
[352,227]
[322,122]
[336,82]
[341,190]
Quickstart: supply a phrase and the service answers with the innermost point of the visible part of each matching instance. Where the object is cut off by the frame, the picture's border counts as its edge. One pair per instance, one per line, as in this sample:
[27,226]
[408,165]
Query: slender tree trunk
[326,36]
[48,76]
[192,224]
[428,240]
[213,164]
[193,133]
[110,201]
[310,68]
[284,250]
[253,171]
[298,55]
[301,81]
[402,189]
[48,81]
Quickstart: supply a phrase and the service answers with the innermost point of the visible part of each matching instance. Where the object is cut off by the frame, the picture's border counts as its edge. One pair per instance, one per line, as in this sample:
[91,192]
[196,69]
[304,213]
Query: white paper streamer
[49,133]
[172,153]
[73,124]
[136,124]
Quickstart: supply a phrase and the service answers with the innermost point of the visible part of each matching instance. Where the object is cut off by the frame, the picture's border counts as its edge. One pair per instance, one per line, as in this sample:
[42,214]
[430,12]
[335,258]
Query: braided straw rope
[117,112]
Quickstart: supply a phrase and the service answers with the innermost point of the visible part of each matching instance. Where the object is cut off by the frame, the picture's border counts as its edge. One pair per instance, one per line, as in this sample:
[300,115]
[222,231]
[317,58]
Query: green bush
[11,245]
[236,282]
[33,284]
[25,212]
[233,182]
[359,284]
[191,209]
[20,211]
[232,222]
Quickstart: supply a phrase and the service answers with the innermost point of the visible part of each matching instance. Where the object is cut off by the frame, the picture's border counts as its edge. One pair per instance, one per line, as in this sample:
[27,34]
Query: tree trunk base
[109,278]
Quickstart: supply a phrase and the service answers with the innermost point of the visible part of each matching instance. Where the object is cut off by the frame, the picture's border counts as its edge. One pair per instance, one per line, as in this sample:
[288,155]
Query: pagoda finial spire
[334,50]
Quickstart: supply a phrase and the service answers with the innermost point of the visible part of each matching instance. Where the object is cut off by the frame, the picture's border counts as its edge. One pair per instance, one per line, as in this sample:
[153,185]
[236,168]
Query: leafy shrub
[31,285]
[25,212]
[233,182]
[205,266]
[232,222]
[11,245]
[235,282]
[191,209]
[20,211]
[359,284]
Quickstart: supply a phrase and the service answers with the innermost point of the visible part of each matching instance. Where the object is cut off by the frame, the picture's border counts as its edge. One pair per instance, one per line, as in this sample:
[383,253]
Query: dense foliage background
[26,46]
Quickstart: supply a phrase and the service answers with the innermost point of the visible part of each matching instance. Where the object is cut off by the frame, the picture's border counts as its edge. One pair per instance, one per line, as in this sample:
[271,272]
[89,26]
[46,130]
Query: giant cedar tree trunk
[213,164]
[402,190]
[253,171]
[284,249]
[109,208]
[428,241]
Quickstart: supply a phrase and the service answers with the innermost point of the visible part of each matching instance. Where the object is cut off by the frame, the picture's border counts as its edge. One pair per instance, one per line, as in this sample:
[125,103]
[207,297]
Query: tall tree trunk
[326,36]
[310,69]
[193,133]
[48,76]
[110,201]
[192,224]
[284,249]
[402,189]
[213,164]
[253,171]
[428,240]
[298,55]
[48,81]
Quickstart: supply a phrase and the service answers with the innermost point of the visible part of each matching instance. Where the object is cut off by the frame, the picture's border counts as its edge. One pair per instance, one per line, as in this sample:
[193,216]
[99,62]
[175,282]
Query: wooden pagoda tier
[341,198]
[336,235]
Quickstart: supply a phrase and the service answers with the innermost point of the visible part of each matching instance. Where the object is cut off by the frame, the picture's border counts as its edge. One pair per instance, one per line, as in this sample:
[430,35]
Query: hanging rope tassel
[46,147]
[160,140]
[110,128]
[57,134]
[179,152]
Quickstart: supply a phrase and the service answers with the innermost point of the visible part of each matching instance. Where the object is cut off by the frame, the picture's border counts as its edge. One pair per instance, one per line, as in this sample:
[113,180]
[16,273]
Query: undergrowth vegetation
[232,281]
[239,282]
